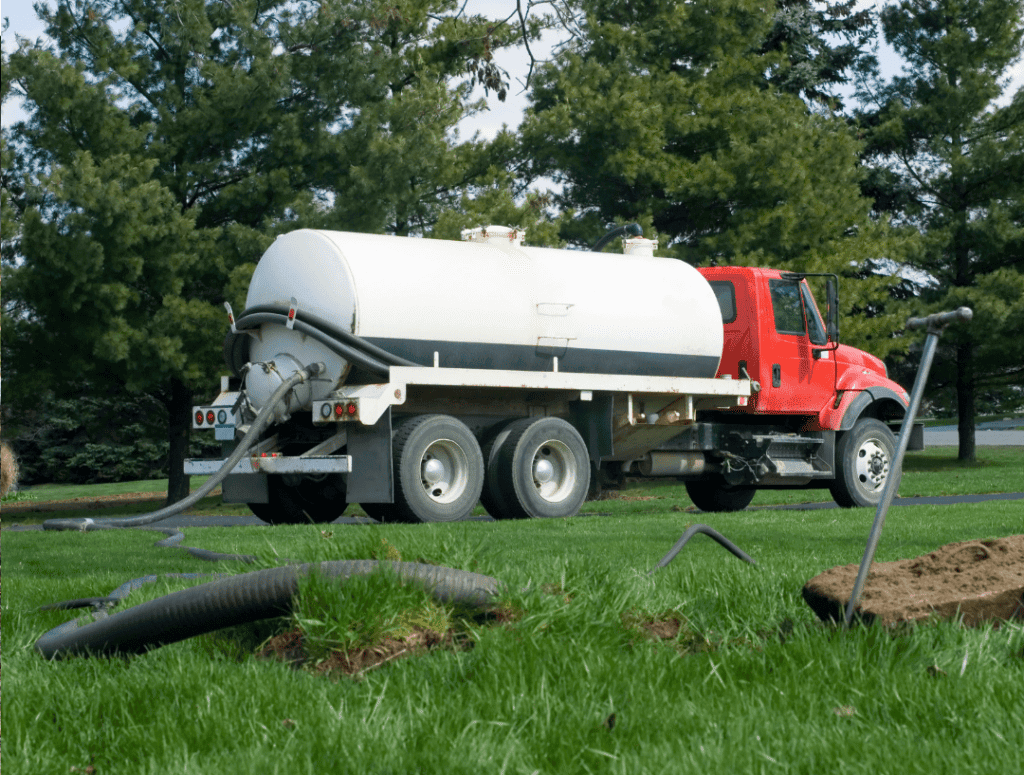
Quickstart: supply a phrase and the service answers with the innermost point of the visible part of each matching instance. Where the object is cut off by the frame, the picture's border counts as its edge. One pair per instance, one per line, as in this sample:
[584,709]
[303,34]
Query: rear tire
[284,506]
[490,496]
[439,469]
[864,458]
[542,469]
[714,494]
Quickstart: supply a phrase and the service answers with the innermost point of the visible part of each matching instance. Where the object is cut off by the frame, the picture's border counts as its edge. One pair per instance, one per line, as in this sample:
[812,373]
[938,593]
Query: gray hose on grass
[242,599]
[708,531]
[250,438]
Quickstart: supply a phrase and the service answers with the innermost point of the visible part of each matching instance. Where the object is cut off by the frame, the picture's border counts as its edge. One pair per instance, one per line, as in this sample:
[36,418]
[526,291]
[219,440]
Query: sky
[23,22]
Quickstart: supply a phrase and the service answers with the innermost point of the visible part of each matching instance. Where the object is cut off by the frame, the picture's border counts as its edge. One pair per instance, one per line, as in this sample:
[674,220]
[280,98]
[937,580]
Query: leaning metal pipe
[257,427]
[935,324]
[241,599]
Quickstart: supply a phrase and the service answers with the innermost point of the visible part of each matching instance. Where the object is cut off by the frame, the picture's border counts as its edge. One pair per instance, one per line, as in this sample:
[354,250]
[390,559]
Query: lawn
[576,674]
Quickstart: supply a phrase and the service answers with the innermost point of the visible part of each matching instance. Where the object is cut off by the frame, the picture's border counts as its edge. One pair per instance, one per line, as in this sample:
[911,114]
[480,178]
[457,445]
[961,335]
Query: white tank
[487,302]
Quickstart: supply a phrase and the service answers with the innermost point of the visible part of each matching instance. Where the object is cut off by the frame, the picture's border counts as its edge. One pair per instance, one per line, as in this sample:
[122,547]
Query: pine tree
[947,152]
[170,140]
[689,116]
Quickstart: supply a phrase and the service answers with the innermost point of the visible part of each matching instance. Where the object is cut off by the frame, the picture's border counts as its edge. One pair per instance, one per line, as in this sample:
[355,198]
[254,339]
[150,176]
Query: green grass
[59,492]
[930,472]
[753,682]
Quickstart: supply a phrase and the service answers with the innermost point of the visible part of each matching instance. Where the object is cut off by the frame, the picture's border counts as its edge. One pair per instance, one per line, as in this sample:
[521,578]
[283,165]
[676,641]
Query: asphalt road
[180,521]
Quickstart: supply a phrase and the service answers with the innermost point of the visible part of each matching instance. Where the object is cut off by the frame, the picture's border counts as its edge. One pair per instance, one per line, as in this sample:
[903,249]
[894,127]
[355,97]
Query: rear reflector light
[210,417]
[350,408]
[339,409]
[199,417]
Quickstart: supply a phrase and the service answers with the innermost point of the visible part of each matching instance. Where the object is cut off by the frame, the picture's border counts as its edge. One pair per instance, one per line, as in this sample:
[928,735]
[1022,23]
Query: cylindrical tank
[487,303]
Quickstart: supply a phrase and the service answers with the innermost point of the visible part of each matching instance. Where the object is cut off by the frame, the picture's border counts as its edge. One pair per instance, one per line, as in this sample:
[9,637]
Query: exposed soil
[288,647]
[978,580]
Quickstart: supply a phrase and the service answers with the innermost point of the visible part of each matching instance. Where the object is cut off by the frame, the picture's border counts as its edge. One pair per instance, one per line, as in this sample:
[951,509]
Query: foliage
[947,156]
[169,142]
[95,436]
[669,114]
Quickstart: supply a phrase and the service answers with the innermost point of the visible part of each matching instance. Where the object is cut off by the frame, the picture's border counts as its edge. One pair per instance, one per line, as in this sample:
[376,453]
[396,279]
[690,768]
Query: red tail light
[199,417]
[210,417]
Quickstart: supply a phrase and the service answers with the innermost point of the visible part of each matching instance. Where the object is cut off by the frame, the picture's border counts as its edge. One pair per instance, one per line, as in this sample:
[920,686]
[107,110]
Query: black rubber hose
[633,229]
[257,427]
[708,531]
[332,330]
[241,599]
[350,354]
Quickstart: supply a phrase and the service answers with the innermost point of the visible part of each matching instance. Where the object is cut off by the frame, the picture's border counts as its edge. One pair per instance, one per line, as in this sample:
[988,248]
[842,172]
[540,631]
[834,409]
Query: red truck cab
[821,413]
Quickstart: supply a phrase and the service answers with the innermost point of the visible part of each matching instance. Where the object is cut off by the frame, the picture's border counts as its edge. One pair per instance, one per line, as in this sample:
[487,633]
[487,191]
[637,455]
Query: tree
[689,115]
[948,163]
[169,141]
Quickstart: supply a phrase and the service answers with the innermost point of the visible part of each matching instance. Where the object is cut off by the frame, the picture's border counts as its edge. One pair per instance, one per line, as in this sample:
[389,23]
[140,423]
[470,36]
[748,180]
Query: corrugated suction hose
[250,438]
[241,599]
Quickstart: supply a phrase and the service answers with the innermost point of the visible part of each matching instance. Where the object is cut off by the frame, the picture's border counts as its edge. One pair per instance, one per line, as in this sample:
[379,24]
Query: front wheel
[864,460]
[714,494]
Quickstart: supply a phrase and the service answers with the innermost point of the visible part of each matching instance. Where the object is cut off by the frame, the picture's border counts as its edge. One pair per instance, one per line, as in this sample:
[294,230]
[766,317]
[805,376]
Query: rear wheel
[864,459]
[714,494]
[439,469]
[490,496]
[308,501]
[284,506]
[542,469]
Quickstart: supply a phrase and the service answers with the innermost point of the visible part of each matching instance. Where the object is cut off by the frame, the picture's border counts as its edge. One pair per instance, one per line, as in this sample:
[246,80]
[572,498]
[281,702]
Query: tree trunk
[965,401]
[179,428]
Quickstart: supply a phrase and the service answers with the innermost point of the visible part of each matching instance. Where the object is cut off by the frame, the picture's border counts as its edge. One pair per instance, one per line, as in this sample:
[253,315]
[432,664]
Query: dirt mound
[288,647]
[981,580]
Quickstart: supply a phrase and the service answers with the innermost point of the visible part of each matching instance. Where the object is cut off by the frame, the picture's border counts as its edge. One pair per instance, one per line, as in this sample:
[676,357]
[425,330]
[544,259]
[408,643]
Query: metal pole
[935,324]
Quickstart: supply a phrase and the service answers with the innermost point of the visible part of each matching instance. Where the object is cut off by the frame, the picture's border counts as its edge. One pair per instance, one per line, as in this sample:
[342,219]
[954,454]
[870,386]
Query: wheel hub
[444,471]
[554,471]
[872,465]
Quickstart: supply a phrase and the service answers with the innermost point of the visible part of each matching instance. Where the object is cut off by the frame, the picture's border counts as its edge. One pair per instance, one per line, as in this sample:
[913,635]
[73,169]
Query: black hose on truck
[240,599]
[250,438]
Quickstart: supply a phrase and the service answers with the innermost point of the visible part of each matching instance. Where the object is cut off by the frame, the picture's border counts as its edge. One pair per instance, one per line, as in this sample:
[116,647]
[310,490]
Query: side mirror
[832,313]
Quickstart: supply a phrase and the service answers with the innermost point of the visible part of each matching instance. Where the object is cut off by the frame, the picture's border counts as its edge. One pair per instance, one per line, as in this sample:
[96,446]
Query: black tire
[285,505]
[714,494]
[490,496]
[439,469]
[383,512]
[542,469]
[324,500]
[864,458]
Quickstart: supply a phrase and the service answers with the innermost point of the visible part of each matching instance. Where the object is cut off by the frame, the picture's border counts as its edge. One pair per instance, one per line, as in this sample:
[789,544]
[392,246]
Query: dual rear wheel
[534,467]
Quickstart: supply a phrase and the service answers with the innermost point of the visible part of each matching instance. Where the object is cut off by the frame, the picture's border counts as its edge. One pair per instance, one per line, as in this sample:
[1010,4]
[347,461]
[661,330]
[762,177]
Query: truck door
[800,367]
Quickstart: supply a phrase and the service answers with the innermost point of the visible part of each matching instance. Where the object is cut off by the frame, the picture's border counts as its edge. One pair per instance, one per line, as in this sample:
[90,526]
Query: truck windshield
[815,328]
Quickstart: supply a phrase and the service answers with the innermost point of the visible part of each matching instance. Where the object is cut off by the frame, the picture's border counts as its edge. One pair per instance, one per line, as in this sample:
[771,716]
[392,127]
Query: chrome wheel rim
[554,471]
[872,465]
[444,471]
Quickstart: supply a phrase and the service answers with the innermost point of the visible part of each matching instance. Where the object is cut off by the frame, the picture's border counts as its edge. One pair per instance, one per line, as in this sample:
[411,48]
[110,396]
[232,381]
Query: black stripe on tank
[486,355]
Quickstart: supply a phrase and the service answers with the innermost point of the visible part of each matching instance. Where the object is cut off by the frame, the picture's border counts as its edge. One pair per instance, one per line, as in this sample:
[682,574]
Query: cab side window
[725,292]
[789,312]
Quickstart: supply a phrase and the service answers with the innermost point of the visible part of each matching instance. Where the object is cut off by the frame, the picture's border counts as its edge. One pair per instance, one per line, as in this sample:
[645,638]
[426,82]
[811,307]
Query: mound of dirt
[288,647]
[980,580]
